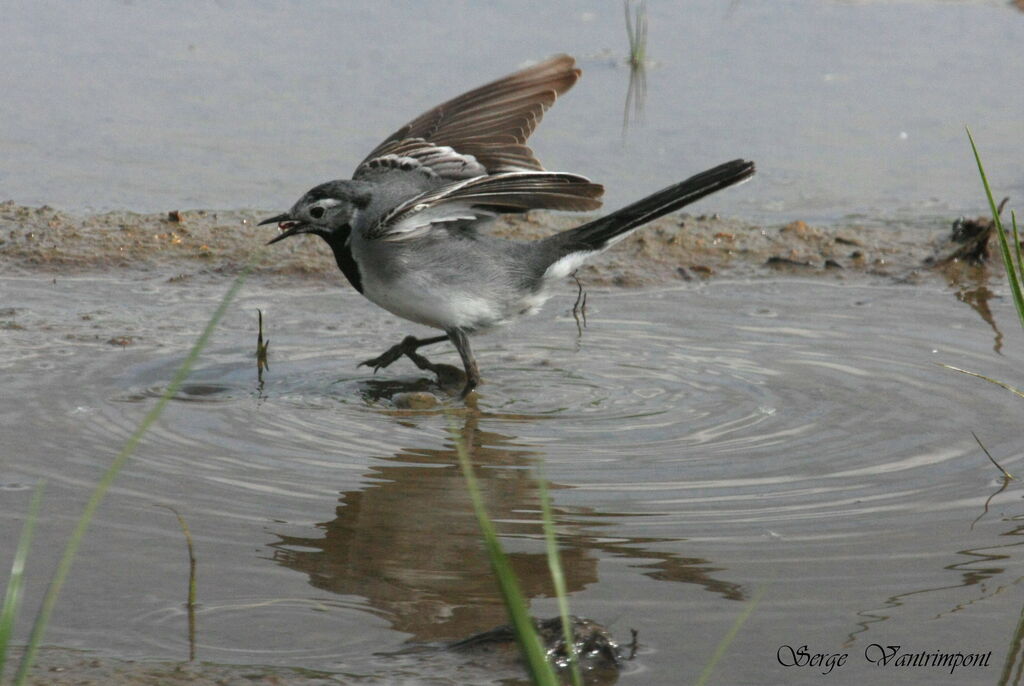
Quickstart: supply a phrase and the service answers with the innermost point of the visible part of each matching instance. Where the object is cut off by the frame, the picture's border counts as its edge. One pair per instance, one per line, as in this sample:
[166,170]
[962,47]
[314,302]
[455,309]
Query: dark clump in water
[969,243]
[594,645]
[974,237]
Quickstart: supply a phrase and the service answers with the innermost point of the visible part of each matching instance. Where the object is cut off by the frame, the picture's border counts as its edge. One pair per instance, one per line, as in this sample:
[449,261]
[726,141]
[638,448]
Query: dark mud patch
[677,248]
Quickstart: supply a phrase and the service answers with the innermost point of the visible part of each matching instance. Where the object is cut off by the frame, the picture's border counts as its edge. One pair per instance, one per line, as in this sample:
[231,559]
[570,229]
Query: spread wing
[480,132]
[483,197]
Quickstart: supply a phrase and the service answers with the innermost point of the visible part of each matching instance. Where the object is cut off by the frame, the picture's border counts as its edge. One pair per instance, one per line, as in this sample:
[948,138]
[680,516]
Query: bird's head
[325,210]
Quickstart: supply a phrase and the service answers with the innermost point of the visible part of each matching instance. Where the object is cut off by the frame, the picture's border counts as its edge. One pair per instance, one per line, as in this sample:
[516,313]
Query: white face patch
[326,203]
[317,211]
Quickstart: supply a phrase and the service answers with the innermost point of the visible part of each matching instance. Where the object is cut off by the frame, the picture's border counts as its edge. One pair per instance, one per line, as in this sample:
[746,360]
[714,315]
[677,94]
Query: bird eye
[316,212]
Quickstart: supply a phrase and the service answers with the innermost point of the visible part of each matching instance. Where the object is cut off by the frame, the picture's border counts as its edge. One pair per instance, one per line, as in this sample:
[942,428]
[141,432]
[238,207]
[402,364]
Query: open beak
[288,226]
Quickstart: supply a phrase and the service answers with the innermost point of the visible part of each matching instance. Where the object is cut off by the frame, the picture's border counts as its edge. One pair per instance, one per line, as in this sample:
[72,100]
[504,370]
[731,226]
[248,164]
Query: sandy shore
[676,248]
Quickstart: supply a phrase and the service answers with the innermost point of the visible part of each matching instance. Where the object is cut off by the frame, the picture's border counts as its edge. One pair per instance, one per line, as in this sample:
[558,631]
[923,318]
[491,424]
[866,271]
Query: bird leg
[461,341]
[408,347]
[577,308]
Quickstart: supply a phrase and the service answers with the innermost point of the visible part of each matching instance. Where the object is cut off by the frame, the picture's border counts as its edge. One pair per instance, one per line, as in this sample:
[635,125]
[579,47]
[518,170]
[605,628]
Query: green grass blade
[1016,245]
[636,31]
[558,577]
[630,34]
[727,640]
[540,670]
[986,378]
[1014,656]
[1013,274]
[66,560]
[16,582]
[1013,271]
[190,601]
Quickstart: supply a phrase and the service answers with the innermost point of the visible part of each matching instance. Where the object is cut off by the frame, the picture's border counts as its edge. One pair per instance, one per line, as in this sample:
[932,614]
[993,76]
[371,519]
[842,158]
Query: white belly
[423,302]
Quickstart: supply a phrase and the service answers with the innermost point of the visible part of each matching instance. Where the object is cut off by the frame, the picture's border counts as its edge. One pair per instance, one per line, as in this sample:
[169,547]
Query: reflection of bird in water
[409,543]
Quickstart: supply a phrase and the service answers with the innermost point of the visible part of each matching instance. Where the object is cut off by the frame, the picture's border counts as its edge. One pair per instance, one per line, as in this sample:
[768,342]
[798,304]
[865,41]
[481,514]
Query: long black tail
[600,233]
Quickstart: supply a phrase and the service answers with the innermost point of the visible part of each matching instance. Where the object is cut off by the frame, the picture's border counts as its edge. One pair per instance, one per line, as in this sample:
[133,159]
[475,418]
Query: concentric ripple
[728,415]
[727,411]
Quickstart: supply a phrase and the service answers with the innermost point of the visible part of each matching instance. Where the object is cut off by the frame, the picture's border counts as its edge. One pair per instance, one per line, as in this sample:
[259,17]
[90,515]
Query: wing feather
[491,123]
[484,197]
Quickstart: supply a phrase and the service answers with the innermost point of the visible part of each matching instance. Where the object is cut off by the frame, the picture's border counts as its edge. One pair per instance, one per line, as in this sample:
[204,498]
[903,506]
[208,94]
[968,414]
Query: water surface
[848,108]
[704,444]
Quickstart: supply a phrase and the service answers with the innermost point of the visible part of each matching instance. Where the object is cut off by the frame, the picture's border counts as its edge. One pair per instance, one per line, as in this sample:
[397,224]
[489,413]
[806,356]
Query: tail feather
[601,233]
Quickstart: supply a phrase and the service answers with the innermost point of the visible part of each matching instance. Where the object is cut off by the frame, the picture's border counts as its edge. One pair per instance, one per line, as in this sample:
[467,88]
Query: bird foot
[447,375]
[407,347]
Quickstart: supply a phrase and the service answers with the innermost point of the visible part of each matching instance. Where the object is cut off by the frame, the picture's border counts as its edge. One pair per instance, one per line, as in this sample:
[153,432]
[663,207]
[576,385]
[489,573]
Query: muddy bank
[677,248]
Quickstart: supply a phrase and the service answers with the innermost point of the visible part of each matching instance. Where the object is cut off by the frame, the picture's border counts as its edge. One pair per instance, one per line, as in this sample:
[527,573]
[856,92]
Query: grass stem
[986,378]
[1006,474]
[190,602]
[16,581]
[727,640]
[1014,272]
[540,670]
[558,578]
[106,481]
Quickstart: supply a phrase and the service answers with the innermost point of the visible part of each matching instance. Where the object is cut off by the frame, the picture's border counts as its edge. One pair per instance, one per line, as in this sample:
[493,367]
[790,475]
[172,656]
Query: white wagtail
[405,230]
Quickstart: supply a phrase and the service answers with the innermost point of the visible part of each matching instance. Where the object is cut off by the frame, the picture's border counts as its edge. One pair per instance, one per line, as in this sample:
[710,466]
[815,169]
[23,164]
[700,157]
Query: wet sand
[678,248]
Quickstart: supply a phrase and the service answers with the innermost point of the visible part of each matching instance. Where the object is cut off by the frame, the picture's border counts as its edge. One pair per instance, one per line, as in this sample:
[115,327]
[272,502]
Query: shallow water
[848,108]
[708,443]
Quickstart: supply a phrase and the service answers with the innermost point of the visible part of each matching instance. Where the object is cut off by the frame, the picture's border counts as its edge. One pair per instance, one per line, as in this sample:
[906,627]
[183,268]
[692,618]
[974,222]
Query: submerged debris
[973,239]
[594,644]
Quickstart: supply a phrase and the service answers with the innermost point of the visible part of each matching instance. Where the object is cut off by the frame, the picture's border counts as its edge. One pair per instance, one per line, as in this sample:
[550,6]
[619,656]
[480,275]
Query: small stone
[800,229]
[419,400]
